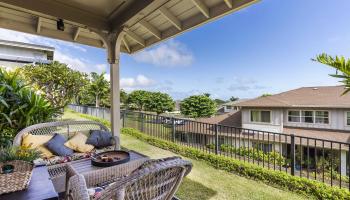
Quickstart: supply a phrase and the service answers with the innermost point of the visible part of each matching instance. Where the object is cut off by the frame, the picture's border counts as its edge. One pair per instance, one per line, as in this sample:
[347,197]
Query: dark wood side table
[40,187]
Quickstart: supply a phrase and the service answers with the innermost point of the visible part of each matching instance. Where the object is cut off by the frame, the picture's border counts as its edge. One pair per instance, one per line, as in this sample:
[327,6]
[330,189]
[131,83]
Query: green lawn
[205,182]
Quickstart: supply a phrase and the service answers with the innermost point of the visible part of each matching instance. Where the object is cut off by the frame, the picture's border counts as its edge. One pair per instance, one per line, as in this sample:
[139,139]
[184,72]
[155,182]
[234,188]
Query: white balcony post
[112,42]
[343,163]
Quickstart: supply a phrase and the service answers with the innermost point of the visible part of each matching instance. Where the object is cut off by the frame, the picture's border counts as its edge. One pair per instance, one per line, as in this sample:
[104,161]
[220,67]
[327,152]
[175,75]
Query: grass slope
[205,182]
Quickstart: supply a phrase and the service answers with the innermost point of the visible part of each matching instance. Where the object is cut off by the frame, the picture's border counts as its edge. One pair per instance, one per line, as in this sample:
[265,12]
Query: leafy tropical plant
[198,106]
[20,106]
[59,83]
[340,63]
[159,103]
[99,87]
[11,153]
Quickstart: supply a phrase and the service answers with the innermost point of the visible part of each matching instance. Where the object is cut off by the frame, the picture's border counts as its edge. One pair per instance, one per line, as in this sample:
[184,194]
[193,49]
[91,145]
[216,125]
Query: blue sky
[265,48]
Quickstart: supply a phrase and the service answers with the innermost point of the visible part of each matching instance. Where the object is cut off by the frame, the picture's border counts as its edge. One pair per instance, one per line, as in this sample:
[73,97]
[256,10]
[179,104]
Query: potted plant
[16,165]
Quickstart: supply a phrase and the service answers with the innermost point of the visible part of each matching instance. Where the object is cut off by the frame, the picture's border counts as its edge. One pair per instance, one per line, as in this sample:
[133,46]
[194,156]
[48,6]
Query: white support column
[113,42]
[343,163]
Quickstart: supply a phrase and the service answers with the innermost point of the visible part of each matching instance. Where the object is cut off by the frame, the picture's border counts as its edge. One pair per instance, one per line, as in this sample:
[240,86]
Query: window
[260,116]
[307,116]
[348,118]
[321,117]
[229,107]
[294,116]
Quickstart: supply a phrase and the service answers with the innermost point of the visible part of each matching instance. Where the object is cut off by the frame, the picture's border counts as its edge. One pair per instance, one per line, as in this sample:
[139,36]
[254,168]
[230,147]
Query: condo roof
[304,97]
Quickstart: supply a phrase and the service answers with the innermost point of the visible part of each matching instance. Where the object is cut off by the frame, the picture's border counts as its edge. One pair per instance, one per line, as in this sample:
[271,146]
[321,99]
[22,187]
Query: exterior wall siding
[21,52]
[276,124]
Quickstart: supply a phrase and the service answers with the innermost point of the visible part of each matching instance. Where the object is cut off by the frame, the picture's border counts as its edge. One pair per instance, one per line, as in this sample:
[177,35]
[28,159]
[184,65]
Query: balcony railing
[318,159]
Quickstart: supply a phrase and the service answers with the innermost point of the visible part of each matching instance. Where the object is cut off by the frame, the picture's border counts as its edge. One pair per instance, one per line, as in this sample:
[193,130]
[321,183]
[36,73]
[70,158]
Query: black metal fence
[322,160]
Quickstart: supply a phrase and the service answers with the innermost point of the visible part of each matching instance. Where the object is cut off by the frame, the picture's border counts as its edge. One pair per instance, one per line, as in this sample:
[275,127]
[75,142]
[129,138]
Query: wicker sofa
[57,164]
[155,179]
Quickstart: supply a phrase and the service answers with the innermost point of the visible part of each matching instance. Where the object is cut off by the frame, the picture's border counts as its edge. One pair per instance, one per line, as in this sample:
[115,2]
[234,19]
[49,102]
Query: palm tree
[99,87]
[340,64]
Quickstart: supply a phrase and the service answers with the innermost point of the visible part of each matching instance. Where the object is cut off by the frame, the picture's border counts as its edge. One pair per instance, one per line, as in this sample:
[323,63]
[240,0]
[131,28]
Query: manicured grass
[205,182]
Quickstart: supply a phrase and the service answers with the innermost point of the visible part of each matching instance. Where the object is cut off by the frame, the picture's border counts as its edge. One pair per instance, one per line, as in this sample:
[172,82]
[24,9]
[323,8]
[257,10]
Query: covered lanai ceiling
[145,22]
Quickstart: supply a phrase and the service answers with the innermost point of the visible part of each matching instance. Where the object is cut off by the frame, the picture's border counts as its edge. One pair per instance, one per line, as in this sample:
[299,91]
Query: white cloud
[72,62]
[101,67]
[169,54]
[140,81]
[242,84]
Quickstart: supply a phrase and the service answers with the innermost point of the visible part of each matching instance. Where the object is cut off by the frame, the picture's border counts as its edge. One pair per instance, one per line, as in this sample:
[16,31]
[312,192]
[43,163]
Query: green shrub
[276,178]
[20,106]
[253,153]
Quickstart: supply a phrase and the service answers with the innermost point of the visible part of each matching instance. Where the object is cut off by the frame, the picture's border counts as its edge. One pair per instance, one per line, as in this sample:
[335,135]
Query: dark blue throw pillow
[57,147]
[100,139]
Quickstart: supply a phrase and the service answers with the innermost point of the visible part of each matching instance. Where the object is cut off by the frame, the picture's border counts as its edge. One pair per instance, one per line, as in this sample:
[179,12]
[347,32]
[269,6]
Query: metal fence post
[123,116]
[216,139]
[142,123]
[173,129]
[292,154]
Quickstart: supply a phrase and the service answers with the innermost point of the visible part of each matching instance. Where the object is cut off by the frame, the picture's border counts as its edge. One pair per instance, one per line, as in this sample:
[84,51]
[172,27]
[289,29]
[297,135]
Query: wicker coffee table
[97,176]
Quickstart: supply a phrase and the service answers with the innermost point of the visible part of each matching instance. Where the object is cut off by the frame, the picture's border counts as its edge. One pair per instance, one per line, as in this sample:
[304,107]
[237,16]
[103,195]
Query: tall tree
[219,101]
[159,102]
[56,81]
[123,96]
[234,98]
[99,87]
[266,95]
[340,64]
[139,99]
[198,106]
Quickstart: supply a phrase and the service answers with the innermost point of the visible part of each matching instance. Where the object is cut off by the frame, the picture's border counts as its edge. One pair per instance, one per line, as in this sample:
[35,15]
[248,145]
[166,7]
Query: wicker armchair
[67,128]
[155,179]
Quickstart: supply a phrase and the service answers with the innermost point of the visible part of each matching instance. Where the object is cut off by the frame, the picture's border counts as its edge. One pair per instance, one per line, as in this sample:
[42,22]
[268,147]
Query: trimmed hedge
[253,153]
[280,179]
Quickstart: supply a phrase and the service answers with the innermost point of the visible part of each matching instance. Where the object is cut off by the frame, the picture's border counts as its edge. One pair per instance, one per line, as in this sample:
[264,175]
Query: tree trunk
[97,101]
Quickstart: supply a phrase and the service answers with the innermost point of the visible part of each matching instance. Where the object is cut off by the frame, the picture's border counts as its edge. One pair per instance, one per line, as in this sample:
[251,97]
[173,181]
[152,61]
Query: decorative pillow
[37,141]
[56,146]
[78,143]
[100,138]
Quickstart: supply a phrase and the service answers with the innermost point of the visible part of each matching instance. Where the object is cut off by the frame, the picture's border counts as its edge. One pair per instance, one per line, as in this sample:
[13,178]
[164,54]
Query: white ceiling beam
[76,34]
[59,10]
[202,7]
[151,29]
[126,45]
[38,25]
[172,19]
[136,38]
[228,3]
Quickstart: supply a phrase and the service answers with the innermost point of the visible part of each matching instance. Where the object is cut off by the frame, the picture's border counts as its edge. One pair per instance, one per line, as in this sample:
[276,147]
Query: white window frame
[329,116]
[313,116]
[299,116]
[346,118]
[250,116]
